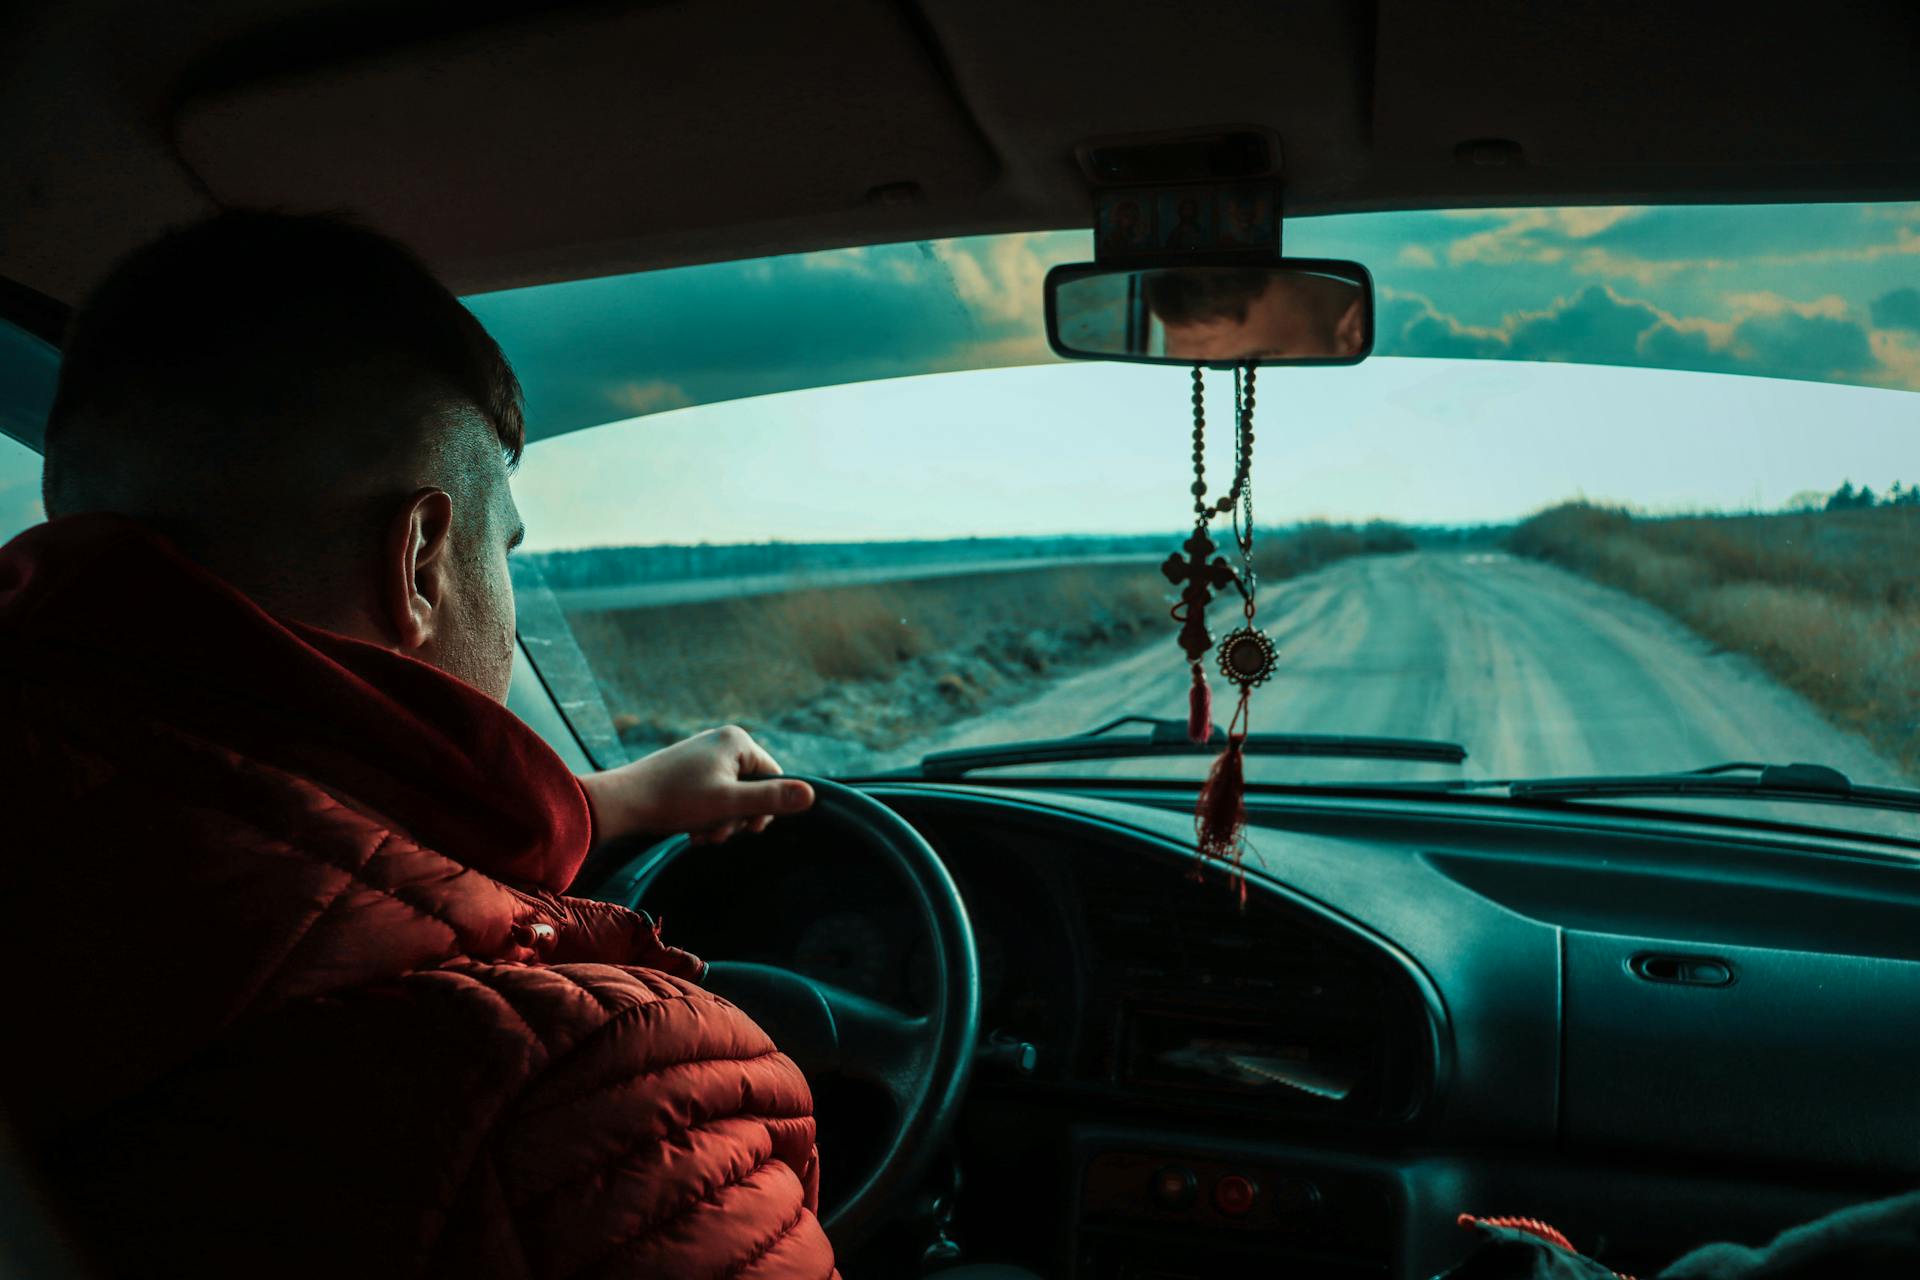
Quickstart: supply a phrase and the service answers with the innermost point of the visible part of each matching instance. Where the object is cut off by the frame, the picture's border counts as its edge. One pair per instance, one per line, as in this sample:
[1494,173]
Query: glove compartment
[1740,1052]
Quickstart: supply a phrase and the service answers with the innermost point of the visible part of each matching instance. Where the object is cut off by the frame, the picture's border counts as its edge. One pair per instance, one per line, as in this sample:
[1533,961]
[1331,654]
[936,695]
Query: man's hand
[694,787]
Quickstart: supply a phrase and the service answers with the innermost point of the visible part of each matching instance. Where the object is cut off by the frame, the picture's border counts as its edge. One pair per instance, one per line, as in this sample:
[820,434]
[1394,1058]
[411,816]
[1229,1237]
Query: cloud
[1792,345]
[1811,338]
[656,396]
[998,353]
[1905,242]
[1417,255]
[875,262]
[1537,235]
[1649,271]
[1767,334]
[999,276]
[1898,354]
[1654,245]
[1899,309]
[1642,271]
[1580,221]
[591,351]
[1765,302]
[1409,324]
[1595,320]
[1595,325]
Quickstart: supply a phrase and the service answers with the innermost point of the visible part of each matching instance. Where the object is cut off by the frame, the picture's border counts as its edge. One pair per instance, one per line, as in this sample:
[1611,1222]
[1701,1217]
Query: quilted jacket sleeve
[664,1135]
[601,931]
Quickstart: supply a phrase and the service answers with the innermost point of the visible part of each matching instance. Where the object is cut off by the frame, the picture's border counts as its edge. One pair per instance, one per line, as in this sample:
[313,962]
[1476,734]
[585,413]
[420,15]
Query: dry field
[1827,601]
[878,664]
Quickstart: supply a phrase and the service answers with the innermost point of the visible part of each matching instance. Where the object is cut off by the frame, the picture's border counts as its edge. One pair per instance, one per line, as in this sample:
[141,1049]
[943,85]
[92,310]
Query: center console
[1151,1211]
[1265,1023]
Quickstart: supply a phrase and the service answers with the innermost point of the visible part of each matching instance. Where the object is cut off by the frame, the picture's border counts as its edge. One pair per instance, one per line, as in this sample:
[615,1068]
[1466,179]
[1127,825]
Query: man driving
[308,997]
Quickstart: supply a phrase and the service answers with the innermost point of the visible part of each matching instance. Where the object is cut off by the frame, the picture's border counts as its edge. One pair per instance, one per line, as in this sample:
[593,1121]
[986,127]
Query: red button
[1173,1187]
[1234,1195]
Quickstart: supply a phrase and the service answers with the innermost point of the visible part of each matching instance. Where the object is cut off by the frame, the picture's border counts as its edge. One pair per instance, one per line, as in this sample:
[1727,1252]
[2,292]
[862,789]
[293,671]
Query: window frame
[38,316]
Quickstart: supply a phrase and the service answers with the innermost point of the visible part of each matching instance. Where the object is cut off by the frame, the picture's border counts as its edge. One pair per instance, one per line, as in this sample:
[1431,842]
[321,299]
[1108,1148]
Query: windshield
[1623,491]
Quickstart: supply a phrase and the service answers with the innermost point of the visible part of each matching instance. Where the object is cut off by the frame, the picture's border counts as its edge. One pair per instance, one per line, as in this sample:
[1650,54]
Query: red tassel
[1220,819]
[1199,708]
[1531,1226]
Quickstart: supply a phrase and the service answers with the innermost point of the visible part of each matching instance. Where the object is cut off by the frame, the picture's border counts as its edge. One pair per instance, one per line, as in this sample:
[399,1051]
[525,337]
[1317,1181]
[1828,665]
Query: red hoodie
[295,991]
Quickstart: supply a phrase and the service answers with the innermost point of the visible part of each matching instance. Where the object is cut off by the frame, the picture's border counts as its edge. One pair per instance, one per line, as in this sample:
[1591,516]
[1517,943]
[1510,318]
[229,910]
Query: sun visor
[1630,98]
[507,155]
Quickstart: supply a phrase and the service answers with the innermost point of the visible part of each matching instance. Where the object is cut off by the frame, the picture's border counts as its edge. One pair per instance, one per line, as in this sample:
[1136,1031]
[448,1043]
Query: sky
[1797,291]
[1725,357]
[1098,448]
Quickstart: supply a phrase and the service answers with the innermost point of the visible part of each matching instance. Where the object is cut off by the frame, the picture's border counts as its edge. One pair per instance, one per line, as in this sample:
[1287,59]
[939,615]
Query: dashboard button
[1296,1200]
[1173,1187]
[1234,1195]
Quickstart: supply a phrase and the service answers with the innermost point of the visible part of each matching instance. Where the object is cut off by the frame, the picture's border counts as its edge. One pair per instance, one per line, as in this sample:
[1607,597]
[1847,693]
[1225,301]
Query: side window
[19,488]
[29,368]
[548,643]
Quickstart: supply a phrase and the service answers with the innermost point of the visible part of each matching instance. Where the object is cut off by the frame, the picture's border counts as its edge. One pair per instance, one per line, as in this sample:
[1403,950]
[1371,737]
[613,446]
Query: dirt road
[1535,670]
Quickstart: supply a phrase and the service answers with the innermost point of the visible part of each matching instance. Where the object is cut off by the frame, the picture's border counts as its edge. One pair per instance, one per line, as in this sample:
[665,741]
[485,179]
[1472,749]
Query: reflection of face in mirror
[1236,313]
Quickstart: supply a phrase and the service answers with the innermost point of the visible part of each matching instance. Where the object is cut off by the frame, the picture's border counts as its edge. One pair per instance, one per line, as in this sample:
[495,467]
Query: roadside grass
[882,663]
[1827,601]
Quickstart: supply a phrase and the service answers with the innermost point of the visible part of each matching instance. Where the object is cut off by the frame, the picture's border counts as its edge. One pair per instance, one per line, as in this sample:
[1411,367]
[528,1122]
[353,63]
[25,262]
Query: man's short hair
[211,342]
[1198,295]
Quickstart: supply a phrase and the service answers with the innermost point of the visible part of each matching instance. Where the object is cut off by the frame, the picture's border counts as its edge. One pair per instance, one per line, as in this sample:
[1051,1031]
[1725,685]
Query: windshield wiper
[1805,783]
[1169,738]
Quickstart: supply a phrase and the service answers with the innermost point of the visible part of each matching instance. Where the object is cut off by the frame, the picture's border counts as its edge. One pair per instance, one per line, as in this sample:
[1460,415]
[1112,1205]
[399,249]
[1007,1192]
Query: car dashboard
[1649,1033]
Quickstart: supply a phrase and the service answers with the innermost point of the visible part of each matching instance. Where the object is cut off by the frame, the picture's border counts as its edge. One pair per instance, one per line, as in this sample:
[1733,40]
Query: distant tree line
[1848,498]
[616,566]
[591,567]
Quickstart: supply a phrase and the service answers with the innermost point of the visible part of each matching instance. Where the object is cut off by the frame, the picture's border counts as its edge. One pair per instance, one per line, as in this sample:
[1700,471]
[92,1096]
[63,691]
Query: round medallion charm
[1247,658]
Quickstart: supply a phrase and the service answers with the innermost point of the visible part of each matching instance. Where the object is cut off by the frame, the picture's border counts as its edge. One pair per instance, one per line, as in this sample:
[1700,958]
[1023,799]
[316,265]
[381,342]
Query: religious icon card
[1123,224]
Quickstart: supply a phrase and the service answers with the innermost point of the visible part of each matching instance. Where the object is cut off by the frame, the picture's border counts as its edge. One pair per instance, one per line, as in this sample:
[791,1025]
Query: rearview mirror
[1294,311]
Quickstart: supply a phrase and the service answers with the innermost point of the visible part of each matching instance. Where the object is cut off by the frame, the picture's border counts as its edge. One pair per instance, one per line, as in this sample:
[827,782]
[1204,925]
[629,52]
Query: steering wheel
[921,1061]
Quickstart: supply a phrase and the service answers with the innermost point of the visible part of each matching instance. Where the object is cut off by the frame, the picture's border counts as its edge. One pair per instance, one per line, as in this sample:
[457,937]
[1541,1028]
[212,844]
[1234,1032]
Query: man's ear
[415,566]
[1351,331]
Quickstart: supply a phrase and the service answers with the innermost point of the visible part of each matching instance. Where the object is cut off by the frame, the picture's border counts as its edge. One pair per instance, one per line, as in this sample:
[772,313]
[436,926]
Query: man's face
[474,637]
[1296,317]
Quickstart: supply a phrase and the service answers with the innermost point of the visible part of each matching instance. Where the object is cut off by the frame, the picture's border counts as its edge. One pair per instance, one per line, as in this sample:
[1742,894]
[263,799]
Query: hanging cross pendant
[1247,657]
[1203,573]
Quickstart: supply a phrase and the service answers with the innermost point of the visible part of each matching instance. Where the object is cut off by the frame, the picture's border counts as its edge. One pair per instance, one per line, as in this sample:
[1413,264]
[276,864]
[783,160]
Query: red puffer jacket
[293,989]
